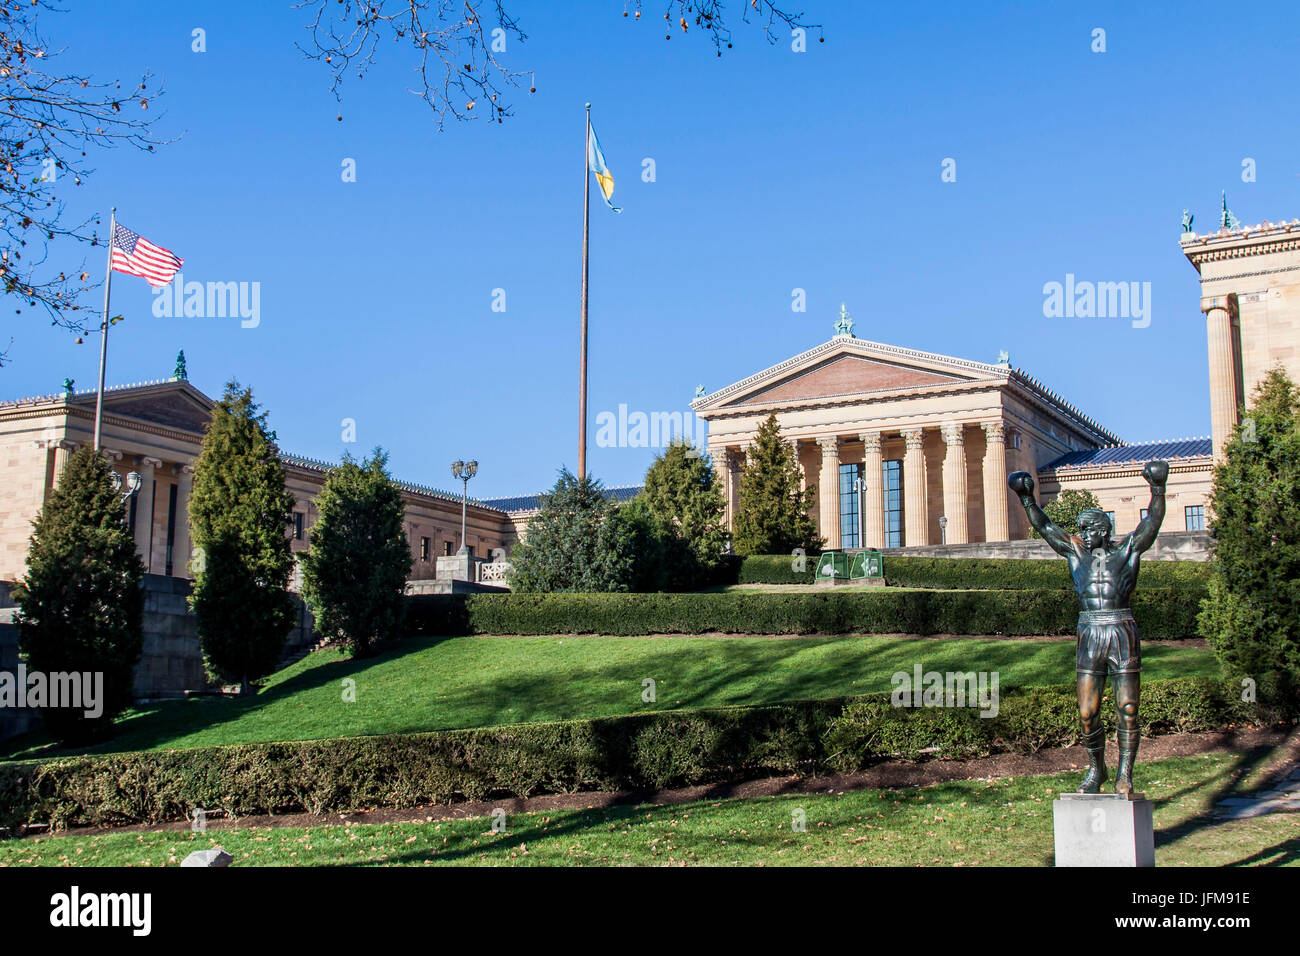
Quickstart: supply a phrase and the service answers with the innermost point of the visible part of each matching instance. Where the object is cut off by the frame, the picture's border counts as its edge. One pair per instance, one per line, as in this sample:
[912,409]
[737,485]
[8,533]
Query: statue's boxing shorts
[1108,643]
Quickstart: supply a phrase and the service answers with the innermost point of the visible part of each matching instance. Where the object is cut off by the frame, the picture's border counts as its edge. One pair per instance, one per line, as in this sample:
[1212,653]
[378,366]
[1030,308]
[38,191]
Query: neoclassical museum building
[905,448]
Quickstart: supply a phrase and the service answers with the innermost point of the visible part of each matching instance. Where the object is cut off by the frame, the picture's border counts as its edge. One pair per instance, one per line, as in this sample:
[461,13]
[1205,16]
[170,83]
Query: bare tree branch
[456,43]
[49,120]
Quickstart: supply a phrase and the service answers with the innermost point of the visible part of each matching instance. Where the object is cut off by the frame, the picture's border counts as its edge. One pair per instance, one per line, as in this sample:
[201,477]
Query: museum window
[1194,515]
[297,525]
[892,493]
[1110,516]
[446,549]
[424,549]
[1143,514]
[171,529]
[850,515]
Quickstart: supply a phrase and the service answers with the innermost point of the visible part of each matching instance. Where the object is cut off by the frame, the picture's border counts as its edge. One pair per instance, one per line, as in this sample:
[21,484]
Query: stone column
[954,484]
[63,450]
[1224,397]
[829,493]
[735,462]
[996,524]
[916,527]
[181,544]
[144,510]
[873,497]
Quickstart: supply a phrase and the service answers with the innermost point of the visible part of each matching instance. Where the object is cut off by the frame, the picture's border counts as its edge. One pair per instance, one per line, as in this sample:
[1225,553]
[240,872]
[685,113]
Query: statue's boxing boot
[1128,748]
[1096,776]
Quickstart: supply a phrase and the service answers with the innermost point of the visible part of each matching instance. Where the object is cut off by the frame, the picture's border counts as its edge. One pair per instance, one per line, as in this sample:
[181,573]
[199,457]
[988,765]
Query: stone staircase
[296,651]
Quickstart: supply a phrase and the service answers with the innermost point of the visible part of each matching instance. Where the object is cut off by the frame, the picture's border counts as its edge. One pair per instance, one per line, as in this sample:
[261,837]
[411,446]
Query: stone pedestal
[1103,829]
[457,567]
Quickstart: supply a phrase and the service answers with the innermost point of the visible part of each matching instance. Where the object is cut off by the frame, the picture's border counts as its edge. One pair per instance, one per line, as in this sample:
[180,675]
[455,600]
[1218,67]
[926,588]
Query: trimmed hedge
[666,749]
[995,574]
[1029,574]
[773,569]
[1161,613]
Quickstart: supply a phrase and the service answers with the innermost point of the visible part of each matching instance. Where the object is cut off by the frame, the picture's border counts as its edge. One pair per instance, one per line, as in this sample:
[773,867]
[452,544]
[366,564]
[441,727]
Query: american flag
[137,256]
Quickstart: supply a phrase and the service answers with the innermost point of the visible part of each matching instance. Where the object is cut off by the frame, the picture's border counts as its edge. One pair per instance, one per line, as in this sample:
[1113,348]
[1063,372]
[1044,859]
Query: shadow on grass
[415,695]
[1226,782]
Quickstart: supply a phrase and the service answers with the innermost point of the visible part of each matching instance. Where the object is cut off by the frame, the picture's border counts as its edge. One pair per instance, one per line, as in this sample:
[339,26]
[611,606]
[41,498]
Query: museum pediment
[848,366]
[843,375]
[171,405]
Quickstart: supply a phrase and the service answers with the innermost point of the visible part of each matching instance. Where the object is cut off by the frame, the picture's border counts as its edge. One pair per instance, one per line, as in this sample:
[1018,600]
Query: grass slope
[432,684]
[968,823]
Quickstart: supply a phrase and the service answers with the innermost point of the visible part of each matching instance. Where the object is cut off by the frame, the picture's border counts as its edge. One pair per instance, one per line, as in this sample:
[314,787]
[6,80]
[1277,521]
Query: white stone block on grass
[1103,829]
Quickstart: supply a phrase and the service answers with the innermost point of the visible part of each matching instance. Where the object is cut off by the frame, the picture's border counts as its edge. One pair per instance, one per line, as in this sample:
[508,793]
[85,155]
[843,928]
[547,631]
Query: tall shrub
[354,573]
[773,517]
[80,603]
[685,502]
[239,514]
[575,542]
[1252,614]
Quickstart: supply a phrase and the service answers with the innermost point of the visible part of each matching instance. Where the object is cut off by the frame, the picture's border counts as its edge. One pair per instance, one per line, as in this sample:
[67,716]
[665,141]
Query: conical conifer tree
[683,498]
[773,517]
[80,602]
[1252,614]
[354,573]
[239,516]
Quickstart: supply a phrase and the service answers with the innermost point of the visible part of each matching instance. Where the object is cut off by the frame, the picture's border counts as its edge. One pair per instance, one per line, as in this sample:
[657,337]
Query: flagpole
[103,332]
[582,338]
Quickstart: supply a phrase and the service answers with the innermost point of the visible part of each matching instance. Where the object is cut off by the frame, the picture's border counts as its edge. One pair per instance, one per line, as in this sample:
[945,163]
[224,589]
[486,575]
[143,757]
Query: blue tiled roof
[1125,454]
[533,502]
[514,503]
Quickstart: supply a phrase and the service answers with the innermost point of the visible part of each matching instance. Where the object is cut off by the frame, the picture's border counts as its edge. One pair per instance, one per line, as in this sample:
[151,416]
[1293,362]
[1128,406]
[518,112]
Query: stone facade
[949,428]
[155,430]
[1250,294]
[952,429]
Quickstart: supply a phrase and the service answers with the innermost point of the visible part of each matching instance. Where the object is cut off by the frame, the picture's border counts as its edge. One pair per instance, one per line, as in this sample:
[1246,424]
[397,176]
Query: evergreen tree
[773,515]
[239,515]
[575,542]
[355,572]
[80,603]
[1064,510]
[660,560]
[686,506]
[1252,614]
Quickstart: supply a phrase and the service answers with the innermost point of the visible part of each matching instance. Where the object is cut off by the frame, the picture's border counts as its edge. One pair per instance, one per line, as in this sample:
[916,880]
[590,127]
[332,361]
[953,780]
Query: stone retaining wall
[1170,546]
[171,661]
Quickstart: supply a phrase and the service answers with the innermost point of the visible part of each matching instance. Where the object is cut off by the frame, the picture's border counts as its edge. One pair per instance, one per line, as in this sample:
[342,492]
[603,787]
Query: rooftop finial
[1227,220]
[845,325]
[1004,357]
[180,372]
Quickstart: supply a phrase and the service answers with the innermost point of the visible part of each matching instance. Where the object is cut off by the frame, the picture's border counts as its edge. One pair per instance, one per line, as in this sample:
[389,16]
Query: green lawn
[970,823]
[431,684]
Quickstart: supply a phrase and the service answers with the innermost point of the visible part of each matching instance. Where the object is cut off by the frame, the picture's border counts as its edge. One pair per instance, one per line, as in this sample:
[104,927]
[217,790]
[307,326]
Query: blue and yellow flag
[596,163]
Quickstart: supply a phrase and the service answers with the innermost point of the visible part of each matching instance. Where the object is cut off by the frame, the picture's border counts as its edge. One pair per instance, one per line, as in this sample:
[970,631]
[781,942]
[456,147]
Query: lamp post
[133,482]
[464,470]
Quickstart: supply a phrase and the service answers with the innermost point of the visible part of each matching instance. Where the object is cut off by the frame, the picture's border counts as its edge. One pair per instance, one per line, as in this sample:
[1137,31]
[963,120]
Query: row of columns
[916,526]
[148,468]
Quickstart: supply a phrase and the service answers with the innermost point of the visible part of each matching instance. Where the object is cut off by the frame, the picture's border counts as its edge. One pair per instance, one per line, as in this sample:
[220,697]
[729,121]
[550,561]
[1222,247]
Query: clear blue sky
[775,170]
